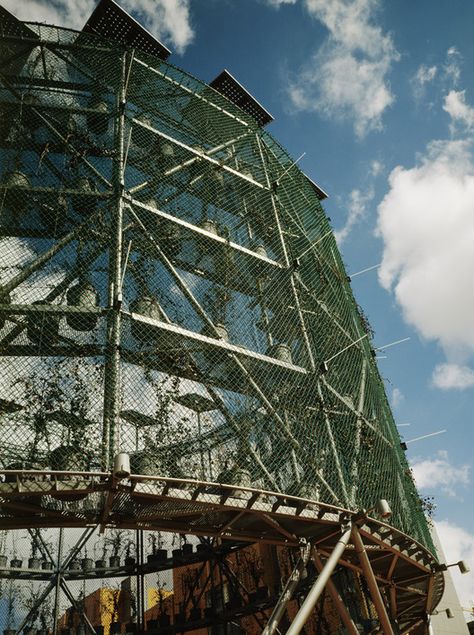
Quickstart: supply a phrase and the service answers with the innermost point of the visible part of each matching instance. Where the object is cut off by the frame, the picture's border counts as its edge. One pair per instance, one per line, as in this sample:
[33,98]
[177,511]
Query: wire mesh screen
[171,288]
[100,592]
[98,586]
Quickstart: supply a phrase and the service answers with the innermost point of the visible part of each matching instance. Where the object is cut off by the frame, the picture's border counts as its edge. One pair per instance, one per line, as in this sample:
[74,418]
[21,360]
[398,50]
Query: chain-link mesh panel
[186,583]
[98,585]
[171,288]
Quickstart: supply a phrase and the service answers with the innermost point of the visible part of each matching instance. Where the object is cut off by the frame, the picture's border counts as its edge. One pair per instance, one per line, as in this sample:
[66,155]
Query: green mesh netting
[171,288]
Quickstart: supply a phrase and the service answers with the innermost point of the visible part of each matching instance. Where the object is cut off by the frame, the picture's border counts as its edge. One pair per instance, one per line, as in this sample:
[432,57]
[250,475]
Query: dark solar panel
[14,52]
[110,21]
[9,25]
[228,86]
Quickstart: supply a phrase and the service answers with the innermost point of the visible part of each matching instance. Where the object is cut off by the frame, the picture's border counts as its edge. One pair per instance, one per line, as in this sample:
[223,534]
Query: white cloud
[358,202]
[62,12]
[397,397]
[423,76]
[166,19]
[440,473]
[460,112]
[376,168]
[452,66]
[346,78]
[458,544]
[448,376]
[19,254]
[427,227]
[356,211]
[279,3]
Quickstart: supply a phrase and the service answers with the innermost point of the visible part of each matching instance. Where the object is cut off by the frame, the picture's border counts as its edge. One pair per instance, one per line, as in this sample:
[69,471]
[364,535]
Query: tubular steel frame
[398,569]
[394,565]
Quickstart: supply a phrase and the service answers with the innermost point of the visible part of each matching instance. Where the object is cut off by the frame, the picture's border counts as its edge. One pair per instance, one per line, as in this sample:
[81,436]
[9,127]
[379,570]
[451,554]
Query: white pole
[426,436]
[313,596]
[287,593]
[357,273]
[314,244]
[379,348]
[345,349]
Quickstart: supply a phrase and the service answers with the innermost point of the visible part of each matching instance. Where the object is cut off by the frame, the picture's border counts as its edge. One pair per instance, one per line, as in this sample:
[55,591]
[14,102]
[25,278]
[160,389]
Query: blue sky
[380,97]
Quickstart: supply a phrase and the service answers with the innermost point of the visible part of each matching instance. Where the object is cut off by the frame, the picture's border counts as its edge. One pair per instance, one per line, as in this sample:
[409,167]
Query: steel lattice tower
[172,292]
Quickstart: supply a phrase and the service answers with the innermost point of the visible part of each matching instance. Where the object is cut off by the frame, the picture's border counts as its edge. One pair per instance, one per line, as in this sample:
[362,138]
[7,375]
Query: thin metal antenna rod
[426,436]
[358,273]
[379,348]
[289,168]
[313,245]
[346,347]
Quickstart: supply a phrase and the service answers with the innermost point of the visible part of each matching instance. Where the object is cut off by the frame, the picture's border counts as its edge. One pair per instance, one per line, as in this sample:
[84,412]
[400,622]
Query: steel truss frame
[114,313]
[398,569]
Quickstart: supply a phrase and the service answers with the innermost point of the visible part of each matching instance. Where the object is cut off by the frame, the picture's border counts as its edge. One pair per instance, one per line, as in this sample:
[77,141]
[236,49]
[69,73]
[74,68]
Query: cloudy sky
[380,97]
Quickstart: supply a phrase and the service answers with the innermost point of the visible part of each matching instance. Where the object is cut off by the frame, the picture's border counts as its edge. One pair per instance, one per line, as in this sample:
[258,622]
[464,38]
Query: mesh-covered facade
[171,288]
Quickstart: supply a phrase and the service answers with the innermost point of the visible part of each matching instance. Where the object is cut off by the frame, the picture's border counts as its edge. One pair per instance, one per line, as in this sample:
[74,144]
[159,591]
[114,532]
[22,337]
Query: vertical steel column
[138,602]
[58,582]
[286,259]
[359,423]
[371,582]
[332,443]
[112,387]
[141,603]
[314,593]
